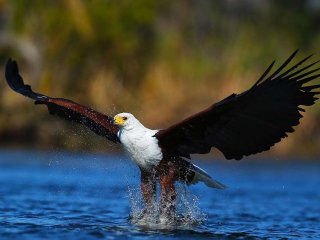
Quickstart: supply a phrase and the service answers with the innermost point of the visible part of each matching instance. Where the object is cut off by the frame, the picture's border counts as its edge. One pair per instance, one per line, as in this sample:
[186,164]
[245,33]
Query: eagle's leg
[148,189]
[168,193]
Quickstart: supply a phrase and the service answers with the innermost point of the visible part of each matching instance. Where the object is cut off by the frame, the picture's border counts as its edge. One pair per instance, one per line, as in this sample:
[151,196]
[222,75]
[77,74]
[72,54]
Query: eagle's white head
[138,140]
[126,121]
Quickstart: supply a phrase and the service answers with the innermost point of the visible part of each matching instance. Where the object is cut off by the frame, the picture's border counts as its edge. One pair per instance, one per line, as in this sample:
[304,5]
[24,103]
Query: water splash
[188,213]
[188,206]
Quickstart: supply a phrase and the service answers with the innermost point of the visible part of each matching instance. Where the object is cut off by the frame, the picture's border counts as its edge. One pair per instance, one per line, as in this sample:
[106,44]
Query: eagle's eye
[124,118]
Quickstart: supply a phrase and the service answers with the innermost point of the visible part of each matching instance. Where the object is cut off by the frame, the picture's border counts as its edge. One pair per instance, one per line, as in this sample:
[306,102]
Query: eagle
[239,125]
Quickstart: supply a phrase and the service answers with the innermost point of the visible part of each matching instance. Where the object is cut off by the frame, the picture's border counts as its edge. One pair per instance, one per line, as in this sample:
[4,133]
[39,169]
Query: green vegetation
[161,60]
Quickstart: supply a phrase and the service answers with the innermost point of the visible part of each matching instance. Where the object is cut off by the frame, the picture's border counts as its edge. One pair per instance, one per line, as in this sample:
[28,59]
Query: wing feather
[250,122]
[97,122]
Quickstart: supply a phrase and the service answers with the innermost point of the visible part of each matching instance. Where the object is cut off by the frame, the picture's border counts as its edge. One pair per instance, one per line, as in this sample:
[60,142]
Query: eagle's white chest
[142,146]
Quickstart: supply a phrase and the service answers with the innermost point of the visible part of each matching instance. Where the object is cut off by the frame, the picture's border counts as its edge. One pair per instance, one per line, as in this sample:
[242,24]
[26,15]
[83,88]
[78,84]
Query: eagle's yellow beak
[119,120]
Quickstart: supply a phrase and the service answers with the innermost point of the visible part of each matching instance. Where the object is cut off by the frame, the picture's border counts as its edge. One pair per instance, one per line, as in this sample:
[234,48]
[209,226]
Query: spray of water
[188,213]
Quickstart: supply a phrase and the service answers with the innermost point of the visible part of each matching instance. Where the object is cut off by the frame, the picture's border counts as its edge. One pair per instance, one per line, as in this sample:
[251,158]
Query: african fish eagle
[238,126]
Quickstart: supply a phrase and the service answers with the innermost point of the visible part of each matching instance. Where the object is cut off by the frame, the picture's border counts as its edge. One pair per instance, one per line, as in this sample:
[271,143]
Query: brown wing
[99,123]
[247,123]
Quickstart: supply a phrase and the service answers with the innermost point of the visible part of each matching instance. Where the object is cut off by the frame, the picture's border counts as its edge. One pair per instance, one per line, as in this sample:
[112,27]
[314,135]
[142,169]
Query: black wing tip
[12,66]
[295,52]
[262,78]
[13,78]
[292,56]
[288,73]
[16,83]
[10,61]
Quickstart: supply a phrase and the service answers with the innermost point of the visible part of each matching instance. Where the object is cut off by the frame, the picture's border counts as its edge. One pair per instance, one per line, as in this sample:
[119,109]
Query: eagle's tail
[203,176]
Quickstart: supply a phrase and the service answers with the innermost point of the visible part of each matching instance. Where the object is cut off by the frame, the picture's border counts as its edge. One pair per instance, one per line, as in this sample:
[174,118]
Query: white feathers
[144,149]
[139,142]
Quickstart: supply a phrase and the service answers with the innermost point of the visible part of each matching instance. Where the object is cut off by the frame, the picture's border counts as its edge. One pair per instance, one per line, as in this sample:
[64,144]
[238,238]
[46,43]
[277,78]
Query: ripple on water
[74,201]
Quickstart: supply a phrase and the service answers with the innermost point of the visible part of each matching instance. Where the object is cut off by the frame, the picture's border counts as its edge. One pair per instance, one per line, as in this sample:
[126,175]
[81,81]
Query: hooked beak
[118,121]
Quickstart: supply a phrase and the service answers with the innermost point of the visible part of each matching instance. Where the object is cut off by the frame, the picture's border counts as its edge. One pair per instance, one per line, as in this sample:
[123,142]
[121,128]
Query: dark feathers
[16,83]
[99,123]
[250,122]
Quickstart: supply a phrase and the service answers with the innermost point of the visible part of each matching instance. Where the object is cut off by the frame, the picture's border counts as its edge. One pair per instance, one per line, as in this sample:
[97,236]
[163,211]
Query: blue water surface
[54,195]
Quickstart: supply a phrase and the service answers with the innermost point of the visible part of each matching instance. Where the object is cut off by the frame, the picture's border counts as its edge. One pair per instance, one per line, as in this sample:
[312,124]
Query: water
[84,196]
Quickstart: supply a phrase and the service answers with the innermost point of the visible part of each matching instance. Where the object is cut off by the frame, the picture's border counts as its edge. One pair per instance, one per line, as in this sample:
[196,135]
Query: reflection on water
[82,196]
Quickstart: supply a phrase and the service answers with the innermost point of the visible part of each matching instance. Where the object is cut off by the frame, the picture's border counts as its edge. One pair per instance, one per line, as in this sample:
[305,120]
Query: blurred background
[161,60]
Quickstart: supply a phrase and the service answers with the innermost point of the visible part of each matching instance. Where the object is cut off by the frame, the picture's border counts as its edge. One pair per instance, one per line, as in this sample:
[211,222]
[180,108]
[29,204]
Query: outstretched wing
[97,122]
[250,122]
